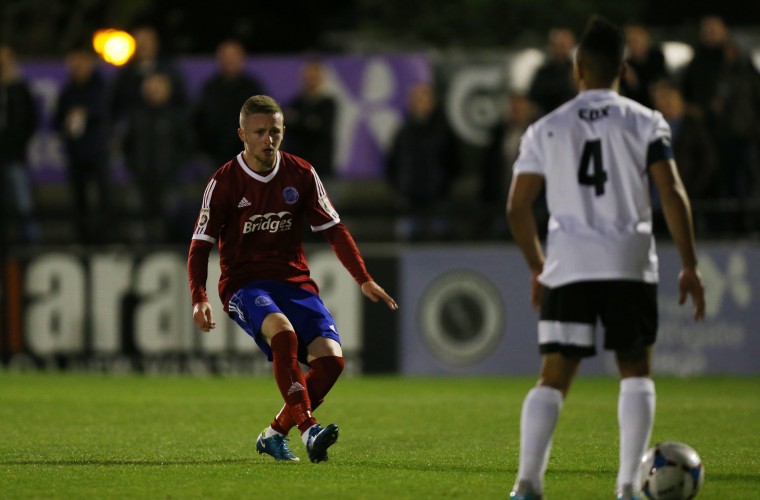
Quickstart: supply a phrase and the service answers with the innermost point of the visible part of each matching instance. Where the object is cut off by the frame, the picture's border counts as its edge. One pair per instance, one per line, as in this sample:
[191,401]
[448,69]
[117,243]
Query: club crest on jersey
[263,300]
[270,222]
[203,217]
[290,195]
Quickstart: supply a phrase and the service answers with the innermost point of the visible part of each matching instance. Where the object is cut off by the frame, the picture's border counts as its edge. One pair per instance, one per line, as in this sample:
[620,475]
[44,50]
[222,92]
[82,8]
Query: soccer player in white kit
[596,155]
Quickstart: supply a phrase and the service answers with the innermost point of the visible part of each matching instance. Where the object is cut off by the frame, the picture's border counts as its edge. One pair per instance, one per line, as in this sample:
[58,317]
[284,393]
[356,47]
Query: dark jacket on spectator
[422,160]
[695,152]
[217,112]
[311,131]
[91,146]
[18,121]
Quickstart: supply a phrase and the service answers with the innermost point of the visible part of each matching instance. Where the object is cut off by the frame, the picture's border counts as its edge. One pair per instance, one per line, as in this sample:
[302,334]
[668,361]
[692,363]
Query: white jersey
[593,153]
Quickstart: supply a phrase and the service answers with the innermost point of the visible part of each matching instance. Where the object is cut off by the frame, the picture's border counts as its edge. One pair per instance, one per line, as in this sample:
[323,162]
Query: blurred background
[192,27]
[476,62]
[411,113]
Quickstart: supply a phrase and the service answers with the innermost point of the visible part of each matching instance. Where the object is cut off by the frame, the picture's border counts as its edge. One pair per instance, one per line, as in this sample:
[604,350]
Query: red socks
[290,379]
[320,379]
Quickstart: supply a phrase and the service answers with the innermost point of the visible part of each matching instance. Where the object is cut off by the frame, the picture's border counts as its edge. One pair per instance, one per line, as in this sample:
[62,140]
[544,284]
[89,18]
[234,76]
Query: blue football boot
[319,440]
[275,446]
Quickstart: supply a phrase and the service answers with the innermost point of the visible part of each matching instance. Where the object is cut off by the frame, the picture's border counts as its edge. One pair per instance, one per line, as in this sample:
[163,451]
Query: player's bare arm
[375,292]
[677,211]
[523,192]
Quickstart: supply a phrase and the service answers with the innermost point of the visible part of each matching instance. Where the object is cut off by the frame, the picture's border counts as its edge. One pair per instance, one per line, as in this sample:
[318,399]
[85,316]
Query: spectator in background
[645,63]
[156,144]
[126,91]
[311,118]
[700,78]
[693,148]
[421,165]
[80,118]
[218,107]
[18,123]
[723,83]
[736,108]
[692,143]
[499,156]
[552,84]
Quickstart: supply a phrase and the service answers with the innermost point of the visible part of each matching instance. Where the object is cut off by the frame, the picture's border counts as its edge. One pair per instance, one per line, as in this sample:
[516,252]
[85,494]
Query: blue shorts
[305,310]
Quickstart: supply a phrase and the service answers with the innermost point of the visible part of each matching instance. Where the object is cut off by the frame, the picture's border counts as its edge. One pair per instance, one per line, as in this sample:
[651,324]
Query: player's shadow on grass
[121,463]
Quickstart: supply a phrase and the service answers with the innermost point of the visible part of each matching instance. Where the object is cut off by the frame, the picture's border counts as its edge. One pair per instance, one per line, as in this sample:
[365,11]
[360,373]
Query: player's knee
[273,324]
[323,346]
[560,384]
[634,362]
[334,365]
[284,344]
[558,371]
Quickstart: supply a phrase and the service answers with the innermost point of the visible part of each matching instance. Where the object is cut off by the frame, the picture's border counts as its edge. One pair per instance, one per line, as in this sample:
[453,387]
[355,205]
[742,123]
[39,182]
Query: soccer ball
[671,471]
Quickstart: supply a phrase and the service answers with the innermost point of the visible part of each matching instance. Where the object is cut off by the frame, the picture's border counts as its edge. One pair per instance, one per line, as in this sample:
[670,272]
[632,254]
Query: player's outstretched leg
[318,440]
[275,445]
[290,379]
[322,375]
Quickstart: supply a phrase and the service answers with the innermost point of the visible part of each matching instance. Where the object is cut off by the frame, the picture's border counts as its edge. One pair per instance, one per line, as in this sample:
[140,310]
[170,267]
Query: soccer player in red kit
[254,207]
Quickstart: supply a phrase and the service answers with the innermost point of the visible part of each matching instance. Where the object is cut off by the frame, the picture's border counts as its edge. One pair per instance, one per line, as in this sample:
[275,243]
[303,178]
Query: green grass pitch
[93,436]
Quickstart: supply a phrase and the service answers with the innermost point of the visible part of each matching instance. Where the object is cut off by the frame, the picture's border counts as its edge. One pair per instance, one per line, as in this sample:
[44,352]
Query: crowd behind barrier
[411,147]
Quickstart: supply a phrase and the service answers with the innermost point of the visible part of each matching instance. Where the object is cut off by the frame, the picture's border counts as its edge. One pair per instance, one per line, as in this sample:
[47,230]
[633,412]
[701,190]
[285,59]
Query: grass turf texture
[89,436]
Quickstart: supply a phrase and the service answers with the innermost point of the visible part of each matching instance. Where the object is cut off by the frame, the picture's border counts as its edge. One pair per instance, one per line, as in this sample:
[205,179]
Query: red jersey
[258,223]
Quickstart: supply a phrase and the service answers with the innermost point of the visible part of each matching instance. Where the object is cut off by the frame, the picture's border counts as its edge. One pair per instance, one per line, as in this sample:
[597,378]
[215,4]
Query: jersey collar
[259,177]
[595,94]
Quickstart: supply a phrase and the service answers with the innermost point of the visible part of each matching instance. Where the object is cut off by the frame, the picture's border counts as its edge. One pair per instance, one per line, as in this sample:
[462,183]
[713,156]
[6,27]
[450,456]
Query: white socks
[269,432]
[305,436]
[540,412]
[636,404]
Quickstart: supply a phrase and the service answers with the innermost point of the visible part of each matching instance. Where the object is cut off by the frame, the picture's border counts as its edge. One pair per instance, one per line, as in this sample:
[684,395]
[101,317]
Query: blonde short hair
[259,104]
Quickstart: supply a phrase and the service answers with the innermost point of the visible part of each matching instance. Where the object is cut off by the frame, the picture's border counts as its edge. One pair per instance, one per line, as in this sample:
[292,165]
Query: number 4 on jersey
[590,171]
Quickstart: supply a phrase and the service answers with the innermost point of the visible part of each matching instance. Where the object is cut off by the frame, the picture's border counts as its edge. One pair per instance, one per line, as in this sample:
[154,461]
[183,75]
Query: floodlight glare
[114,46]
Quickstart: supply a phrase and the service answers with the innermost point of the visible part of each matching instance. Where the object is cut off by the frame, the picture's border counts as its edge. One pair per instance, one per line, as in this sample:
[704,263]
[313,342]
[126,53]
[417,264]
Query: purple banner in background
[466,312]
[370,91]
